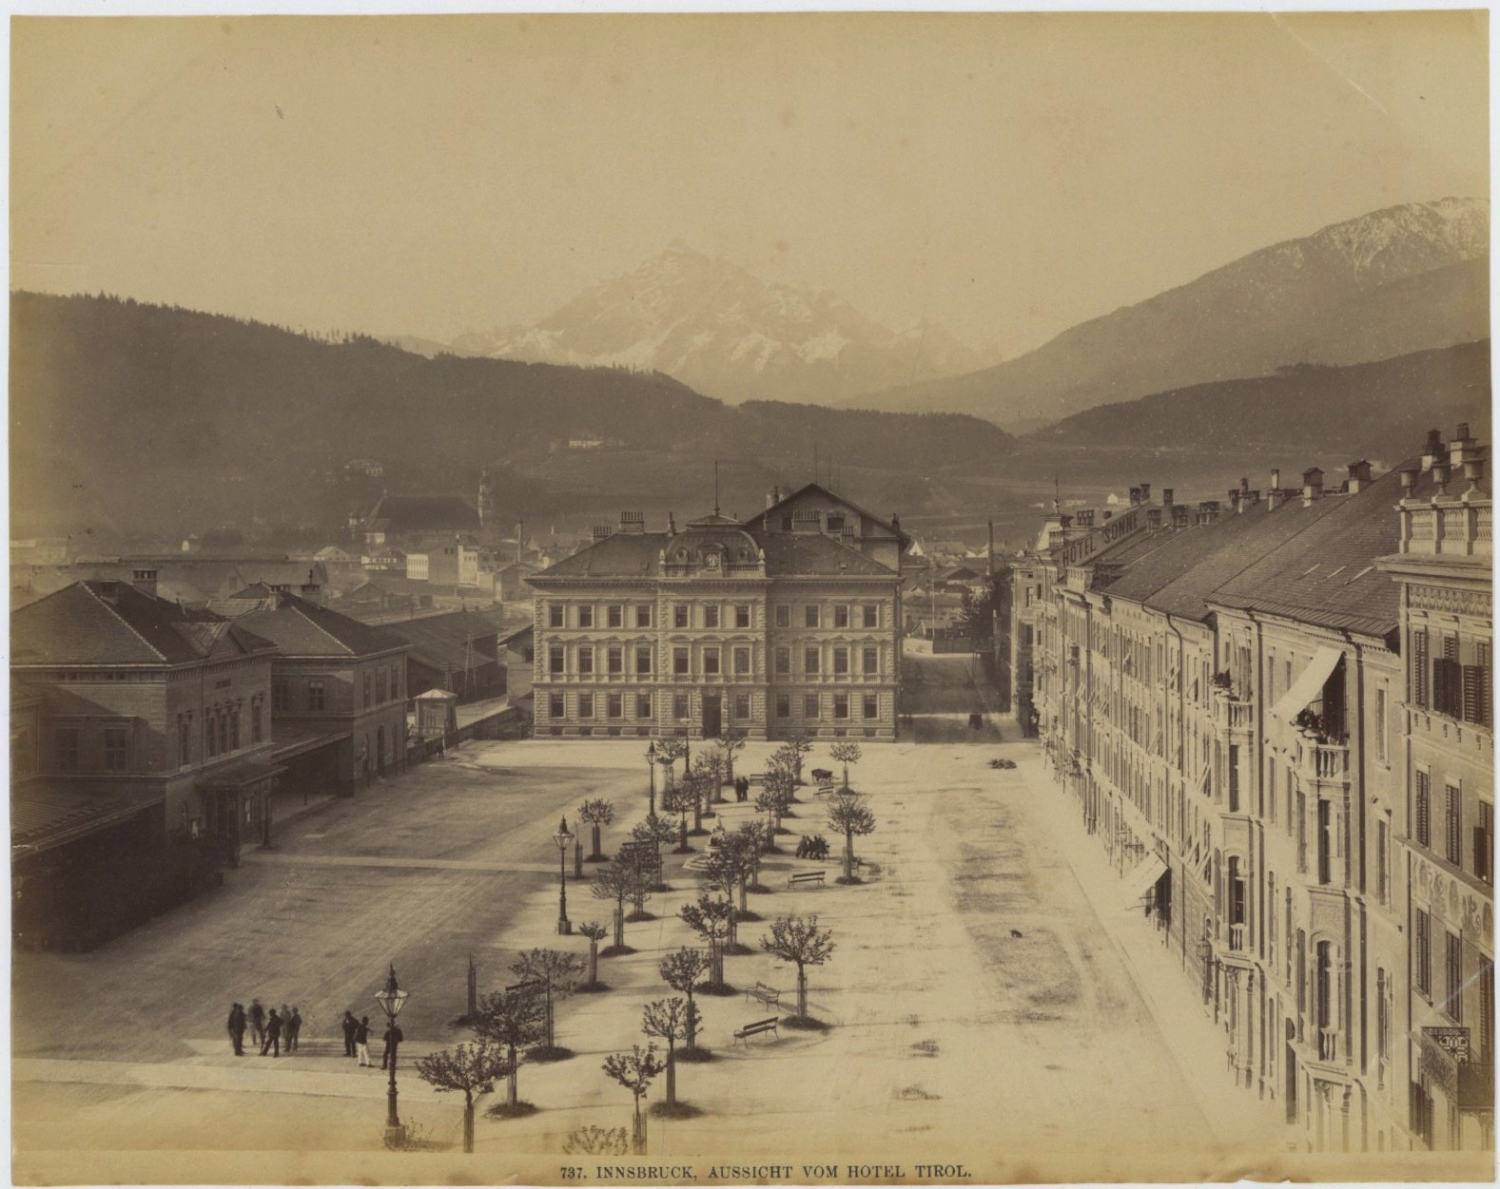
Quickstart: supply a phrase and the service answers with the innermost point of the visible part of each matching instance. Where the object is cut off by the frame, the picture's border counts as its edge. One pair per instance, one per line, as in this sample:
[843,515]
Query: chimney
[1359,476]
[602,531]
[1065,521]
[1312,485]
[771,498]
[1180,514]
[145,582]
[313,592]
[1433,449]
[633,522]
[1135,497]
[1208,511]
[520,541]
[671,525]
[1462,448]
[109,591]
[1086,518]
[1153,518]
[1145,493]
[1108,515]
[1166,497]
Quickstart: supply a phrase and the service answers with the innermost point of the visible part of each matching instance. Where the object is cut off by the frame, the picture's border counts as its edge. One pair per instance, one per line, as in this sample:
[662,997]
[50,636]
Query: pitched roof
[300,628]
[1325,574]
[113,623]
[47,815]
[453,639]
[425,513]
[638,555]
[833,495]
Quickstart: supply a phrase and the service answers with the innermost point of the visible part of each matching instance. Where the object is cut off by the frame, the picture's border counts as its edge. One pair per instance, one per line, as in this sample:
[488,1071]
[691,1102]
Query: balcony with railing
[1321,761]
[1328,1044]
[1233,715]
[1238,938]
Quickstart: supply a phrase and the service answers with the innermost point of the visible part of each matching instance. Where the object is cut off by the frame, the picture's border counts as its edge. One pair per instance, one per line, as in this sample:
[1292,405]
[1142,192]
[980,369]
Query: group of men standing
[269,1030]
[357,1040]
[266,1030]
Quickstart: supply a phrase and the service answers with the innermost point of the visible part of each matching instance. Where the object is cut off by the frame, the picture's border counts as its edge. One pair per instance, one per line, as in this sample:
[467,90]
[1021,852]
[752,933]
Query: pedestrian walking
[350,1026]
[273,1035]
[257,1022]
[237,1029]
[293,1027]
[393,1039]
[362,1040]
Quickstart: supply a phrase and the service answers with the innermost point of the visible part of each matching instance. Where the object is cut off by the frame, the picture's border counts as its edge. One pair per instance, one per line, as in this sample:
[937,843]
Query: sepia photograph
[769,598]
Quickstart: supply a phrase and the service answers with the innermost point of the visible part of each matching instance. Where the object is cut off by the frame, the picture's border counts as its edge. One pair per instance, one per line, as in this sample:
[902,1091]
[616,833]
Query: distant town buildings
[1274,713]
[788,622]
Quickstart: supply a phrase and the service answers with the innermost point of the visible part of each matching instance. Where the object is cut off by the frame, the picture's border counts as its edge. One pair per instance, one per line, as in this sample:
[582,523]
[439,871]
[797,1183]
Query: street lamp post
[651,774]
[563,837]
[391,1001]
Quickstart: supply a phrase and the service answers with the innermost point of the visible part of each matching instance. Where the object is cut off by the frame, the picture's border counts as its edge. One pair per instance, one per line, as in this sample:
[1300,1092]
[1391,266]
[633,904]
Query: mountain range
[133,417]
[720,330]
[1394,281]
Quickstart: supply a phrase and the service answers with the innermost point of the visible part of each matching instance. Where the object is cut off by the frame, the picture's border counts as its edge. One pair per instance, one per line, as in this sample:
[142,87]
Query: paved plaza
[991,1001]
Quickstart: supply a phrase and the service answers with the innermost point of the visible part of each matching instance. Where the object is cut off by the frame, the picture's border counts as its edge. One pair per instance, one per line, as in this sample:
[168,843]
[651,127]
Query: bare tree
[556,974]
[849,815]
[635,1071]
[513,1021]
[776,795]
[620,881]
[470,1069]
[671,1020]
[682,971]
[668,752]
[596,933]
[730,744]
[712,919]
[655,832]
[846,754]
[599,813]
[799,940]
[706,774]
[795,746]
[679,799]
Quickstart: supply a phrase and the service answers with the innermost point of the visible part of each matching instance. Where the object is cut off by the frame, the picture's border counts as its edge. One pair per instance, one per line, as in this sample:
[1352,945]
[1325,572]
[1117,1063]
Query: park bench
[807,877]
[767,1025]
[757,778]
[770,996]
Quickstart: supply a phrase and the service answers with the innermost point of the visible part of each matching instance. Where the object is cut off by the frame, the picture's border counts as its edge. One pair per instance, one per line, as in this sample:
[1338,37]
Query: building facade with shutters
[1445,746]
[789,623]
[1245,707]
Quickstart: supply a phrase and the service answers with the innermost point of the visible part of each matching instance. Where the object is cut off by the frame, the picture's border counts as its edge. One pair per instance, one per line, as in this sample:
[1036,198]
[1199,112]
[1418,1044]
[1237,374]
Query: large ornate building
[1288,758]
[788,622]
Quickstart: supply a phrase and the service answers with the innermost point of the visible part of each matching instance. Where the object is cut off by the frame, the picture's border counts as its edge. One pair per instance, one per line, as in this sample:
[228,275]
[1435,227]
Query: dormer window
[835,523]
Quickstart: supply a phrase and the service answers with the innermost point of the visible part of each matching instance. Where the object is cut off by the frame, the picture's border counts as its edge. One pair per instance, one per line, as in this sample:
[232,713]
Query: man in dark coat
[293,1027]
[257,1022]
[237,1029]
[393,1039]
[273,1035]
[350,1025]
[362,1040]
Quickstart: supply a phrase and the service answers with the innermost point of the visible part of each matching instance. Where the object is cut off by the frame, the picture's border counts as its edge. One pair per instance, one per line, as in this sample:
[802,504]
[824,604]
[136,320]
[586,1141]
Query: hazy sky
[1008,175]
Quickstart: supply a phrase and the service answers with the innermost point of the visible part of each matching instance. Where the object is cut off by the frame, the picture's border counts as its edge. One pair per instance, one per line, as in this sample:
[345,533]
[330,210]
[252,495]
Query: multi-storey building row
[1288,756]
[788,623]
[147,739]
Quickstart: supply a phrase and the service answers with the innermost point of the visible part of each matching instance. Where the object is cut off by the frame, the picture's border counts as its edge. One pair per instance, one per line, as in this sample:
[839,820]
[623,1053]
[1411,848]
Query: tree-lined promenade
[929,1016]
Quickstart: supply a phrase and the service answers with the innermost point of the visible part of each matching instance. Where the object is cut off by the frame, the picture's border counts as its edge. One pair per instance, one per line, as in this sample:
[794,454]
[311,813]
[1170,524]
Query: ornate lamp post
[651,774]
[391,1001]
[563,838]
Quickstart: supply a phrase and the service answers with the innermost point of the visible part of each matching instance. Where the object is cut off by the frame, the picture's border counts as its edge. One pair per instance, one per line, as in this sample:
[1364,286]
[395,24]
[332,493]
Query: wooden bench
[757,778]
[770,996]
[825,788]
[767,1025]
[807,877]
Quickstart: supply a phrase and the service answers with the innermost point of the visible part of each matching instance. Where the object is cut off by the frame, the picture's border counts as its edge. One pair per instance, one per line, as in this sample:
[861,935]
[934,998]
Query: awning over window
[1141,879]
[1309,686]
[239,775]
